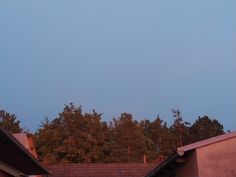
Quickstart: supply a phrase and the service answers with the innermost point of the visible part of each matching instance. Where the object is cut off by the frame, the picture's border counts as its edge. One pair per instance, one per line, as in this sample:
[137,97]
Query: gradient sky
[138,56]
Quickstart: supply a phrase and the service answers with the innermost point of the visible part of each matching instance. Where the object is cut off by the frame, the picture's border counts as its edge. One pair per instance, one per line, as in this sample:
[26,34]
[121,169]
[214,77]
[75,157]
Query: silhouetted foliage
[204,128]
[9,122]
[180,129]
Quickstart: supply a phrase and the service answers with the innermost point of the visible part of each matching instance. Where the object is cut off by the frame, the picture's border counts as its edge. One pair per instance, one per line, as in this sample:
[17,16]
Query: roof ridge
[206,142]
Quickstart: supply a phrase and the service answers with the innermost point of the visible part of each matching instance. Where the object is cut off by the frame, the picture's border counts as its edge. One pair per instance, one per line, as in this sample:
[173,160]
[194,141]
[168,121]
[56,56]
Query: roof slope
[101,170]
[13,154]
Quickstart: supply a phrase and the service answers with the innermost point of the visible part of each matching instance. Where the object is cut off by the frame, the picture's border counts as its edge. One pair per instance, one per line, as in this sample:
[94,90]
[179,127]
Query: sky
[143,57]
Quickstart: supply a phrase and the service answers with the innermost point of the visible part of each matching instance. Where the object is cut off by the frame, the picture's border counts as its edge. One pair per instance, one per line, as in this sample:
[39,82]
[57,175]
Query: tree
[204,128]
[77,137]
[180,128]
[72,137]
[48,138]
[127,141]
[161,136]
[9,122]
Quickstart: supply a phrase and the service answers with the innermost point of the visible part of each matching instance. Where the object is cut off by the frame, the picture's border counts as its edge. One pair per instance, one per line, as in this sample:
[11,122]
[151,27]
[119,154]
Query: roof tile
[101,169]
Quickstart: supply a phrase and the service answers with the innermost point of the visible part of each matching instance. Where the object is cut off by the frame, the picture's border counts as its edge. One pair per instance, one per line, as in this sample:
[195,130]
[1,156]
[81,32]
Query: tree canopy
[9,122]
[204,128]
[75,136]
[128,142]
[72,137]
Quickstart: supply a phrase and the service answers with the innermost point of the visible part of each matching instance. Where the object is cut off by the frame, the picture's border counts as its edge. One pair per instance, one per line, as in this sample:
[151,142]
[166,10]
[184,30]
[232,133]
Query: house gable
[213,157]
[218,159]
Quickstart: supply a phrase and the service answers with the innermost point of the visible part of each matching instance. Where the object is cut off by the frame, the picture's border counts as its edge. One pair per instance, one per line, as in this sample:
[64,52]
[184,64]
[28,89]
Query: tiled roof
[101,170]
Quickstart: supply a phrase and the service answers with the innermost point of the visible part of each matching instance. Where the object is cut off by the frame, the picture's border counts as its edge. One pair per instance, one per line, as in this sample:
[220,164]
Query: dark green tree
[9,122]
[204,128]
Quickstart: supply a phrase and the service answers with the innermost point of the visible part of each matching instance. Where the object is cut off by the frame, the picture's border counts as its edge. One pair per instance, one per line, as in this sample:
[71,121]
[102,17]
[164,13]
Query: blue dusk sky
[143,57]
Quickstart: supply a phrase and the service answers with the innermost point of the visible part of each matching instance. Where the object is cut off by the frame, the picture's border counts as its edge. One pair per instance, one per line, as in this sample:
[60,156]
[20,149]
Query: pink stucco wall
[217,159]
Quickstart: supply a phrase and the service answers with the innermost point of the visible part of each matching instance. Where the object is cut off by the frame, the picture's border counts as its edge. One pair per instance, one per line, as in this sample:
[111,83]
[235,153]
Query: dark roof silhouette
[14,155]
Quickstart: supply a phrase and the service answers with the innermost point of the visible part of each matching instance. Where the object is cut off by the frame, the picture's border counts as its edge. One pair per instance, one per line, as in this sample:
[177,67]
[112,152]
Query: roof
[15,156]
[101,169]
[167,167]
[206,142]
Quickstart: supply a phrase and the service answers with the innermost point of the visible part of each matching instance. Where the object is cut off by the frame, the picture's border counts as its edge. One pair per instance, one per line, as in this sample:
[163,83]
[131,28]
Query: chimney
[26,140]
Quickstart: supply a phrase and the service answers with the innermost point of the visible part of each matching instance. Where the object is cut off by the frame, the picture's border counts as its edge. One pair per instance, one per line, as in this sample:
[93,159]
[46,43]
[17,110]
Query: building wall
[218,159]
[189,168]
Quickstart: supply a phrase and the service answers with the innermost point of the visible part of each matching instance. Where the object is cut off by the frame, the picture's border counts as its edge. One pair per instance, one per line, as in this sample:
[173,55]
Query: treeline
[77,137]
